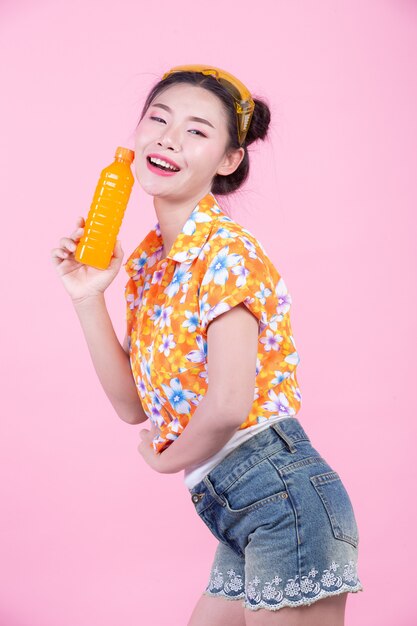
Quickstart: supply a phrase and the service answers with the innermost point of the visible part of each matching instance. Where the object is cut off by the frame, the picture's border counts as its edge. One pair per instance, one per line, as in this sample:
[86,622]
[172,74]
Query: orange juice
[107,211]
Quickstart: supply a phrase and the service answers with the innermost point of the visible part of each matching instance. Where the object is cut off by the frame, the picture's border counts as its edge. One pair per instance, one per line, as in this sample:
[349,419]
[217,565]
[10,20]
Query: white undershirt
[194,473]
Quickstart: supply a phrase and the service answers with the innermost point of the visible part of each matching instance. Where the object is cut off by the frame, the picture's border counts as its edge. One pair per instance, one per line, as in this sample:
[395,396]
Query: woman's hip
[276,478]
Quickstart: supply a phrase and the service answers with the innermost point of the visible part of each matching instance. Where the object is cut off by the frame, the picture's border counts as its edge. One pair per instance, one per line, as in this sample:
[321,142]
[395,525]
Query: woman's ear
[231,162]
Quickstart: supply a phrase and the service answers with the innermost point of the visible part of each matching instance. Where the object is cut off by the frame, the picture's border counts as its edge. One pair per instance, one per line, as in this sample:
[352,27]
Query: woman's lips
[157,170]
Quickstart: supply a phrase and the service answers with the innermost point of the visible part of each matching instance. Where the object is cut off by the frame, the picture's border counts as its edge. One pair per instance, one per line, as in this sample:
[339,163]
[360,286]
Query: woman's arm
[110,360]
[232,348]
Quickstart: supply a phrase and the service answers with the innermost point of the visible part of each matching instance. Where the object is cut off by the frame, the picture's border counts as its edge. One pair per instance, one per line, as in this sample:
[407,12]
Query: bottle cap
[124,153]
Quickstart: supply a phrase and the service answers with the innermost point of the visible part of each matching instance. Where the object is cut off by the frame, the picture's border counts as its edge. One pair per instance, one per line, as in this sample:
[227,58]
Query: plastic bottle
[107,211]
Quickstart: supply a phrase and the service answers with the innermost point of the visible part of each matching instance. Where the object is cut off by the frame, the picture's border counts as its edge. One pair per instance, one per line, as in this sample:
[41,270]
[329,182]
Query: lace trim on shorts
[293,593]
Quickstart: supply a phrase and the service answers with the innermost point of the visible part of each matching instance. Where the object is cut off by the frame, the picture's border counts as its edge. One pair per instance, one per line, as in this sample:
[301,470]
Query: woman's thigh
[217,611]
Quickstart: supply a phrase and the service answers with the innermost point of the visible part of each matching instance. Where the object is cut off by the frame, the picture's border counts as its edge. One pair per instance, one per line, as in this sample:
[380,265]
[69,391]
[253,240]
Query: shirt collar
[186,246]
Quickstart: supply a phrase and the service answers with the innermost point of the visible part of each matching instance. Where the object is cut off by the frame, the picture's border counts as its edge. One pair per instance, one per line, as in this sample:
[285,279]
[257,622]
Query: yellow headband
[244,104]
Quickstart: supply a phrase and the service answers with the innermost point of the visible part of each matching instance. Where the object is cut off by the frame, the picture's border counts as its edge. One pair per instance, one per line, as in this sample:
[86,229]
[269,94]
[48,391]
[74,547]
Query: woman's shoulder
[238,239]
[237,268]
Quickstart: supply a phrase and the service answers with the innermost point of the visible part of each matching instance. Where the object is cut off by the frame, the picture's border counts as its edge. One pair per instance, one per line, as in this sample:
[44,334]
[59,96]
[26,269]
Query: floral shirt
[213,265]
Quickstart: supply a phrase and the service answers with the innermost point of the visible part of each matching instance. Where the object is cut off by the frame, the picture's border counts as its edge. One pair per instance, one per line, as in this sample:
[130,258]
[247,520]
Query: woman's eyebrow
[192,117]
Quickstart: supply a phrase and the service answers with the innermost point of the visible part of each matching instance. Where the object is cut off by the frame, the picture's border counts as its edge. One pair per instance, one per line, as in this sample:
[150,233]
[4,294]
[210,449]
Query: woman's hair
[258,128]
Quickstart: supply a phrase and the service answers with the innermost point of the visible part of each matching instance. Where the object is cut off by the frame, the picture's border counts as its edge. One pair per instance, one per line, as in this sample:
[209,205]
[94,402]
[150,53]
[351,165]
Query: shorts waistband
[251,451]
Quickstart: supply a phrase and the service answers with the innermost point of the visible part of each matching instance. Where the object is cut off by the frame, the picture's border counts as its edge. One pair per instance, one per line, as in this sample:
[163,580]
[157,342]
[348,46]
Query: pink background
[88,533]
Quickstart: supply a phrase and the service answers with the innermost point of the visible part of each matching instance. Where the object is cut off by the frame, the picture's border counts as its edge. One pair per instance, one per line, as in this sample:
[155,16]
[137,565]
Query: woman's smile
[155,169]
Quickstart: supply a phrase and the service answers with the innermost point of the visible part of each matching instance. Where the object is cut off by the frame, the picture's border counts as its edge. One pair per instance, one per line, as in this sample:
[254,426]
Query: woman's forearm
[110,361]
[207,432]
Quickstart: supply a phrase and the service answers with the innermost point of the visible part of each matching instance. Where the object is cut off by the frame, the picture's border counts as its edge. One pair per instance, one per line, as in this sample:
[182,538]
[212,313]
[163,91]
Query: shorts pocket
[337,503]
[255,487]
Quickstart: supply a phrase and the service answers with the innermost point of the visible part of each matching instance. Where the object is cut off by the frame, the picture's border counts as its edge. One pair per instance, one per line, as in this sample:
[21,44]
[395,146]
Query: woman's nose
[169,141]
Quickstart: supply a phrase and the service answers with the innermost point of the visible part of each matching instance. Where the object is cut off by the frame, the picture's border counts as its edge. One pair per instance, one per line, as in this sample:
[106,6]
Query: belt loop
[286,438]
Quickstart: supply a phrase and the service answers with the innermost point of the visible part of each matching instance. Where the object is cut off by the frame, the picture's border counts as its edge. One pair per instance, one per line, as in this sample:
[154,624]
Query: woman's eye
[153,117]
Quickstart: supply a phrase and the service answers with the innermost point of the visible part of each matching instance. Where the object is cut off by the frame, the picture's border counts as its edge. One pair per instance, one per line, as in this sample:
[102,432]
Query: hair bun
[260,121]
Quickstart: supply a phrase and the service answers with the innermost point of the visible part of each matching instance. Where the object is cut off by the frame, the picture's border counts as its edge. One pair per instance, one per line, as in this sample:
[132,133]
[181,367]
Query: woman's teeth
[162,164]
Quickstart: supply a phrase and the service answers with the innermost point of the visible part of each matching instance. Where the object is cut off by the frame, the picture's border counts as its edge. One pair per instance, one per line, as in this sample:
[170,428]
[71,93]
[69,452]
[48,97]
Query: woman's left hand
[145,448]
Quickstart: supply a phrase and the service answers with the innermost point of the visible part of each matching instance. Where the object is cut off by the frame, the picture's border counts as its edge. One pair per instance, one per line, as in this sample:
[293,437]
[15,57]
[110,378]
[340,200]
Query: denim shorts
[284,521]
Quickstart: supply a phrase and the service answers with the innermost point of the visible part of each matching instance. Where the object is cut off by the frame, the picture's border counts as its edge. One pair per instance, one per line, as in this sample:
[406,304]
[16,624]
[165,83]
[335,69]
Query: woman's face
[196,146]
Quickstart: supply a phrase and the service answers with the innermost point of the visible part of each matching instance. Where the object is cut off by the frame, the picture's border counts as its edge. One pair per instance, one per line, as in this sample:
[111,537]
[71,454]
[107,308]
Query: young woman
[209,357]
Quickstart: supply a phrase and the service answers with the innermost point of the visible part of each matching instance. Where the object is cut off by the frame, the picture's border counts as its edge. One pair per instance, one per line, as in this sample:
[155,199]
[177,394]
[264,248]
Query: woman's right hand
[83,281]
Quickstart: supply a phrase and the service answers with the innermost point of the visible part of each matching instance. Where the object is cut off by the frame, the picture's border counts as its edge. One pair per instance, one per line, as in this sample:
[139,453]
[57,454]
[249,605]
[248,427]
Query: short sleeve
[236,272]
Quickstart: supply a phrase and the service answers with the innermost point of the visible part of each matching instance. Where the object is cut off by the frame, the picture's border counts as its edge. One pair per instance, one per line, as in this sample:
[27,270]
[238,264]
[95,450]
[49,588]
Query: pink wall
[88,533]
